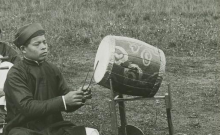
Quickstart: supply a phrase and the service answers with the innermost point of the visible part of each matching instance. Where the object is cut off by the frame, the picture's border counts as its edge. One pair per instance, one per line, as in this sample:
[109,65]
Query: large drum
[135,67]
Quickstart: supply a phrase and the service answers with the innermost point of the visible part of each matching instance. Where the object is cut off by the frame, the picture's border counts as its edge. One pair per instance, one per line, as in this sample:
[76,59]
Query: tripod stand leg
[122,116]
[168,110]
[114,123]
[112,107]
[169,120]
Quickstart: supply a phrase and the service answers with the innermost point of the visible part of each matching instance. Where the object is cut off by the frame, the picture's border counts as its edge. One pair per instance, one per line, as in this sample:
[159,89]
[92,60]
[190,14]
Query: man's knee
[16,131]
[22,131]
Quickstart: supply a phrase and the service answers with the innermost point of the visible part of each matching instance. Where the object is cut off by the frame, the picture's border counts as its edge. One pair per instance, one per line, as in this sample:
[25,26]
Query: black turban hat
[28,32]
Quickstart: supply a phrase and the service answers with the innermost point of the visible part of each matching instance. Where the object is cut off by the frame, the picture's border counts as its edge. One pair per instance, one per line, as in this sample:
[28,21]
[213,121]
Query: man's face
[36,49]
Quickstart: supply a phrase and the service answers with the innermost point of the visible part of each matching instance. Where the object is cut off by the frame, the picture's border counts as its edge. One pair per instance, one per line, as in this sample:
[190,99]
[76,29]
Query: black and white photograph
[109,67]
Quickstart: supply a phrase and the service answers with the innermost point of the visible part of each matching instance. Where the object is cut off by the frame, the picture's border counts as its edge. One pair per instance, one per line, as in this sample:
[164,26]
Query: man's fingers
[76,92]
[77,103]
[77,100]
[77,96]
[79,92]
[85,88]
[89,96]
[87,92]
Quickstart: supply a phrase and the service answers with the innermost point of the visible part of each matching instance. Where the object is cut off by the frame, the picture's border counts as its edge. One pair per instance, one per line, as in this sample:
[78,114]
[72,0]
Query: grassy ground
[186,30]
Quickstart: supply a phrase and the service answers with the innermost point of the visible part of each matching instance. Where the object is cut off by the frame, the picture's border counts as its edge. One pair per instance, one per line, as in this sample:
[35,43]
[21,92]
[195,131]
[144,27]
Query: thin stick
[4,58]
[93,74]
[85,80]
[137,98]
[91,78]
[6,67]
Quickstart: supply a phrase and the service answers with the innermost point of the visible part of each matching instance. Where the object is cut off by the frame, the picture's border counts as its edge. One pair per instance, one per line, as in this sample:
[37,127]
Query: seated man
[6,50]
[36,91]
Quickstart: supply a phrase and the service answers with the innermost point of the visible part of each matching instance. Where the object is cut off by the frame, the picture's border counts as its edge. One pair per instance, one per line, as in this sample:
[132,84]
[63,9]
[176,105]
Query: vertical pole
[168,110]
[113,112]
[170,96]
[122,116]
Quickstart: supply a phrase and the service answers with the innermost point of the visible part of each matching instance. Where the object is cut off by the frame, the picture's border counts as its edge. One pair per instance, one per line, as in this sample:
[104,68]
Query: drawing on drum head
[156,52]
[120,57]
[133,71]
[129,74]
[146,56]
[134,47]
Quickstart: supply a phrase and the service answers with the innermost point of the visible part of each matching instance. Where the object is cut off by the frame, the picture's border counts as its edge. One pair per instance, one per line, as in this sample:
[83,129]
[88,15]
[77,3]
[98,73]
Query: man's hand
[87,94]
[74,98]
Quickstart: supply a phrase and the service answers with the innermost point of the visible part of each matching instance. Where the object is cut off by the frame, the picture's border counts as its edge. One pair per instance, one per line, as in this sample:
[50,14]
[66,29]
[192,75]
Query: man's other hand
[86,92]
[74,98]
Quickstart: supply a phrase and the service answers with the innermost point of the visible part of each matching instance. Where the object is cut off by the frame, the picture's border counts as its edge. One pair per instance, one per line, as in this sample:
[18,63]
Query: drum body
[135,67]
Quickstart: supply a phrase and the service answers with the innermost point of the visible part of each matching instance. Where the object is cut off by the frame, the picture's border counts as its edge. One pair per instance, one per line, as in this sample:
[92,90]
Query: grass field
[186,30]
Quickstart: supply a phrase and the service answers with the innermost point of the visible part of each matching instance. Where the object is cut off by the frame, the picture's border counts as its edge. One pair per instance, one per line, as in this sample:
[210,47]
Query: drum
[135,67]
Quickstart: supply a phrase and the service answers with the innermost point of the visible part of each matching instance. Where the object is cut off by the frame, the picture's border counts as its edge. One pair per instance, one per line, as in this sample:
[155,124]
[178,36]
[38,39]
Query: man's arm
[68,96]
[16,90]
[12,54]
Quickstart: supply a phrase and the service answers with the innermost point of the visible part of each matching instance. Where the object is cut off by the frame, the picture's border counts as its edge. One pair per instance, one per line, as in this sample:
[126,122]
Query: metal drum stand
[126,129]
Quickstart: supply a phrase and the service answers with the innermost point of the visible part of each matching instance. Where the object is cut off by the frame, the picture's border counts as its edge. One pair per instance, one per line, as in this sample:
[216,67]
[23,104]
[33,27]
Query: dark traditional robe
[6,50]
[33,94]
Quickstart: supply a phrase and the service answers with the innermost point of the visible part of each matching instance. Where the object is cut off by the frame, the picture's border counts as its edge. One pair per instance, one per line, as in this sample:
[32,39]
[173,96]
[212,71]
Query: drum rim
[111,58]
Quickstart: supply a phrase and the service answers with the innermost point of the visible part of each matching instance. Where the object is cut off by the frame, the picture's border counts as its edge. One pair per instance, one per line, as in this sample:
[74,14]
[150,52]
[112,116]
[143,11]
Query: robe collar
[32,62]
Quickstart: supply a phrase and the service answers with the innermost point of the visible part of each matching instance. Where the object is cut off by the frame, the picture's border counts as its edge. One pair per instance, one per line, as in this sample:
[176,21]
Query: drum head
[103,57]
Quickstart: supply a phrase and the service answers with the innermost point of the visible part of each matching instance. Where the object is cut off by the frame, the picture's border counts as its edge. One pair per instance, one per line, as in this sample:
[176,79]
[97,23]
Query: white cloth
[91,131]
[4,72]
[3,75]
[64,103]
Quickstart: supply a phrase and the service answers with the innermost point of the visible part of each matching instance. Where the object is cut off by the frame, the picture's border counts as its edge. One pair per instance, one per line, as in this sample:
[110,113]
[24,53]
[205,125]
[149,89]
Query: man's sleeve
[13,55]
[16,90]
[10,52]
[64,89]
